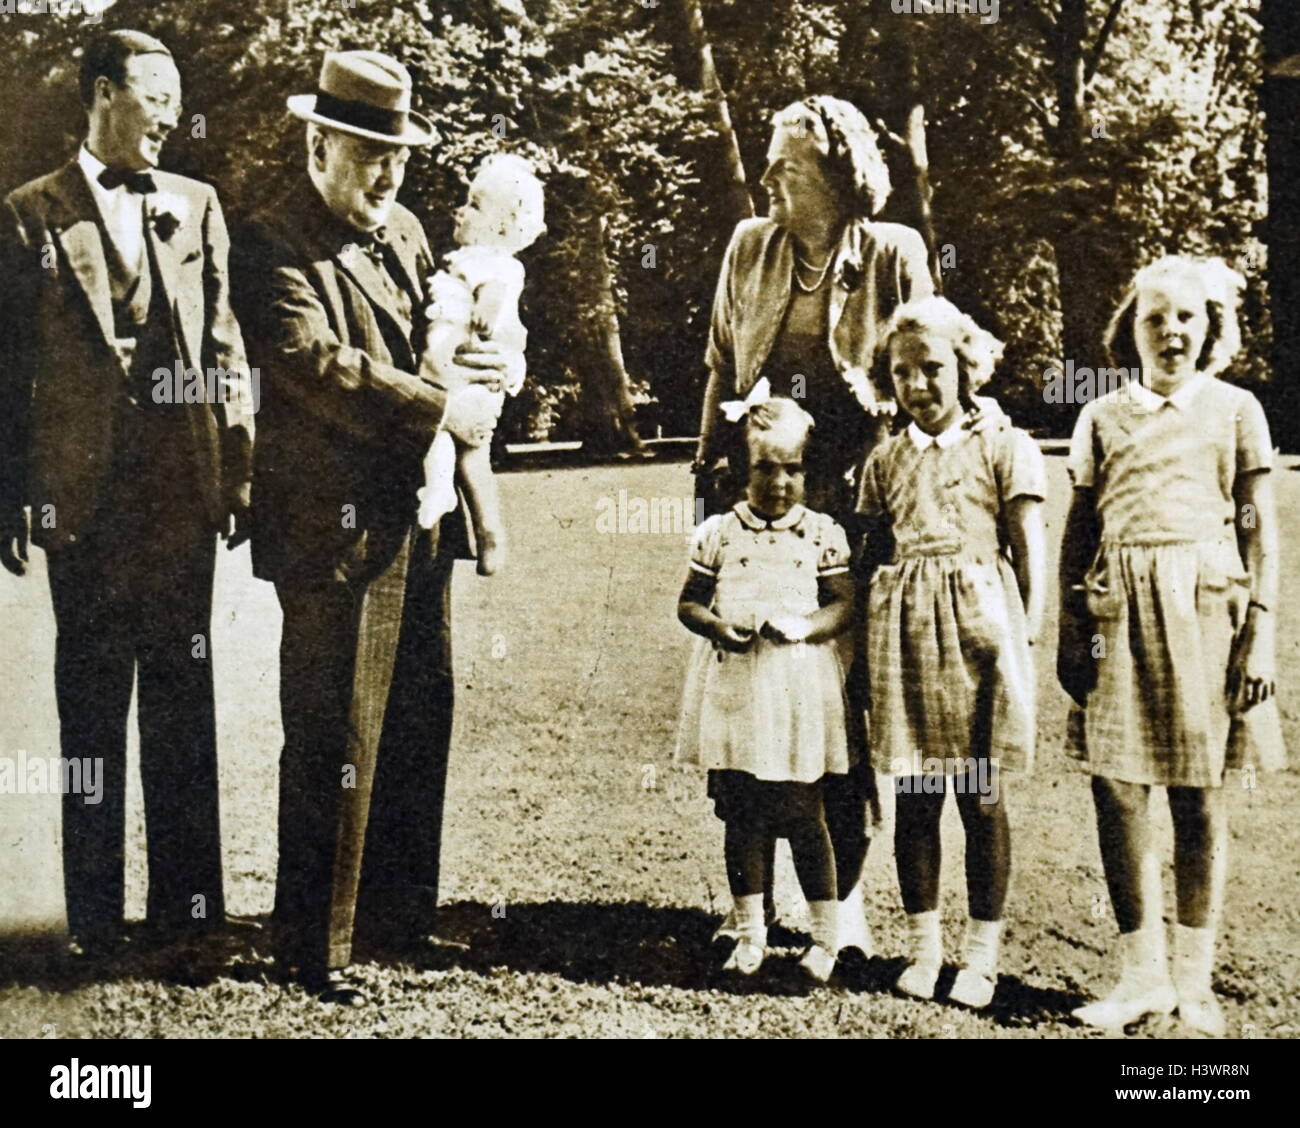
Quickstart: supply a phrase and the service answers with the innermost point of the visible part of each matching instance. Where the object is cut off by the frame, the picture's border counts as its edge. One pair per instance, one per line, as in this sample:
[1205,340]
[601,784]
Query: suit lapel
[162,253]
[406,251]
[77,226]
[357,265]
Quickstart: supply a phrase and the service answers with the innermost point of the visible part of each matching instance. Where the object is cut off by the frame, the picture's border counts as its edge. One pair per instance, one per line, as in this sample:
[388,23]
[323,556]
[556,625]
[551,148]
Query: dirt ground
[584,866]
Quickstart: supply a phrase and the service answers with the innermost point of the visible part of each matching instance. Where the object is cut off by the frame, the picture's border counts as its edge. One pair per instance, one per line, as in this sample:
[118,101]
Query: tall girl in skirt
[763,710]
[1167,641]
[949,627]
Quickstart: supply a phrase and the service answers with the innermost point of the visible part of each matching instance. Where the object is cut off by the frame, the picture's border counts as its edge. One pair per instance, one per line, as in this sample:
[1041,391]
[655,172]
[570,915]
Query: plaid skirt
[949,666]
[1164,622]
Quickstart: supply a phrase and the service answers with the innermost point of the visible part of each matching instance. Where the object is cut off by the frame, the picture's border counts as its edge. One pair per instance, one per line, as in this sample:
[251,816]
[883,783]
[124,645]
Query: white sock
[981,946]
[750,922]
[1144,955]
[1194,959]
[926,938]
[824,918]
[1153,893]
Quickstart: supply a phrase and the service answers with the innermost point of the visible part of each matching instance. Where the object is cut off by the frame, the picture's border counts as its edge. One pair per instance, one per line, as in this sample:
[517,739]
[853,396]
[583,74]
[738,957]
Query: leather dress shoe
[341,989]
[440,942]
[98,945]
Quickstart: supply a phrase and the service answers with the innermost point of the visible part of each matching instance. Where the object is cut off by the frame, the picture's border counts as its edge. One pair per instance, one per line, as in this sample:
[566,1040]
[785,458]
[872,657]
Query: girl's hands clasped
[733,637]
[786,628]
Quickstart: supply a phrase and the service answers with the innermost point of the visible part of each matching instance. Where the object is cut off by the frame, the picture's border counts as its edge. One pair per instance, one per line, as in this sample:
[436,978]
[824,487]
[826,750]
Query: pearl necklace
[821,276]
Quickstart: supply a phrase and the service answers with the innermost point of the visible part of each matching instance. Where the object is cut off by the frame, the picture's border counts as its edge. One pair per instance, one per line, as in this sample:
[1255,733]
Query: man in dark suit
[113,279]
[331,288]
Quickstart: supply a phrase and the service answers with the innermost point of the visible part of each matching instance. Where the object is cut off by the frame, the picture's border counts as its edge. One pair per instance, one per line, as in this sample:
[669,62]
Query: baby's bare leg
[474,465]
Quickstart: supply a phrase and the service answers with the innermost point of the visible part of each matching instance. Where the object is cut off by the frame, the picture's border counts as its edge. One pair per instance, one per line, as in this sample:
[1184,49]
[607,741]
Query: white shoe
[1203,1013]
[1144,984]
[1193,975]
[918,980]
[978,978]
[746,957]
[1126,1004]
[818,963]
[853,930]
[972,989]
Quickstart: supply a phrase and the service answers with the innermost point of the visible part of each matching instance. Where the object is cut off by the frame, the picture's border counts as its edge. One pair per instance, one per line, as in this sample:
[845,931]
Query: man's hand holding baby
[471,375]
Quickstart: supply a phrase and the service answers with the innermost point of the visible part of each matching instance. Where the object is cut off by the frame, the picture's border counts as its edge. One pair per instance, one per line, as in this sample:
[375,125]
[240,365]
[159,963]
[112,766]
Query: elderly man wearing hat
[330,287]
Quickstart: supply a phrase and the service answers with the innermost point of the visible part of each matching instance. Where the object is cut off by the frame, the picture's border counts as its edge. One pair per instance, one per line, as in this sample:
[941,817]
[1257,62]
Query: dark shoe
[440,942]
[98,945]
[340,989]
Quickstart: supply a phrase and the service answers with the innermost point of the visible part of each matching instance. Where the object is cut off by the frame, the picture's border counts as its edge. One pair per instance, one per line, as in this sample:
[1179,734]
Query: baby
[477,293]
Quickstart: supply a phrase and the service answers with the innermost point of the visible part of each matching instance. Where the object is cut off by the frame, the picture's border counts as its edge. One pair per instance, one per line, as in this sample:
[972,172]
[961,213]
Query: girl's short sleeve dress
[775,712]
[948,656]
[1167,592]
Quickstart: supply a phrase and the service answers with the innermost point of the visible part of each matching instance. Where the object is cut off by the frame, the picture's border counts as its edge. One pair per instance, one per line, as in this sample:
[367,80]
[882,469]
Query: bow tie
[139,182]
[371,243]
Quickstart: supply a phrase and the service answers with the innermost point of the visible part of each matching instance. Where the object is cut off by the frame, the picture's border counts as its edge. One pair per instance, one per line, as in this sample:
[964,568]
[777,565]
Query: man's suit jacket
[346,416]
[61,378]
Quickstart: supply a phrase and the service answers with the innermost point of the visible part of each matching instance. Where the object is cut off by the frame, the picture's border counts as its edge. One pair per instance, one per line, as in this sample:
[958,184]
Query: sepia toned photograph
[517,515]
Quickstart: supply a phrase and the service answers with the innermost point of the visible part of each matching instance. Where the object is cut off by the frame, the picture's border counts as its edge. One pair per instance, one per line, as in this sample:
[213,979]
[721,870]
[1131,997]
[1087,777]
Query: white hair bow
[736,410]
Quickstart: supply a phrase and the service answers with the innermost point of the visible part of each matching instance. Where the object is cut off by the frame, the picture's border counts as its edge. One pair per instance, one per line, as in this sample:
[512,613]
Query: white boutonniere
[166,213]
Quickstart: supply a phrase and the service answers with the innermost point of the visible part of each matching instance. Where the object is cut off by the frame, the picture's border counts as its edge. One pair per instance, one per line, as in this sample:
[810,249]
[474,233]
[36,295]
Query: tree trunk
[608,414]
[1067,71]
[693,62]
[923,192]
[910,167]
[1083,279]
[1076,258]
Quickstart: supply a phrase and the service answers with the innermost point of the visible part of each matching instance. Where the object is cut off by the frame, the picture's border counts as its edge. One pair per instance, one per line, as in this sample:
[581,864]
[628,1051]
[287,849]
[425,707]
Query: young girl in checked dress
[763,708]
[1167,640]
[949,627]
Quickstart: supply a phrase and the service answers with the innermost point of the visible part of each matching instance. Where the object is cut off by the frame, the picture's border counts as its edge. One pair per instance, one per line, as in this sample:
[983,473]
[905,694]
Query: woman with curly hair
[803,296]
[805,292]
[950,623]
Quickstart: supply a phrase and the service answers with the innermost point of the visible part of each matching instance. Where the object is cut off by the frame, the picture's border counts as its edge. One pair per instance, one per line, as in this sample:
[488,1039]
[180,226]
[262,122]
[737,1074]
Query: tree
[887,50]
[693,56]
[1073,67]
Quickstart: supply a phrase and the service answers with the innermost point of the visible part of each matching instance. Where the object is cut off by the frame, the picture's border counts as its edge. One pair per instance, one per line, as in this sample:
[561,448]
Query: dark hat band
[361,115]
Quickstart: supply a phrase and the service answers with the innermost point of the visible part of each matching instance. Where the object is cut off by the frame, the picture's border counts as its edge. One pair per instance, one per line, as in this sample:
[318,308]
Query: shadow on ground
[583,943]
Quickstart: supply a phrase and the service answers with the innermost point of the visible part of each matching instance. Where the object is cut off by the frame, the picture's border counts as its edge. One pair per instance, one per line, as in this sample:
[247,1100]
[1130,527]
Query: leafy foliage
[1170,156]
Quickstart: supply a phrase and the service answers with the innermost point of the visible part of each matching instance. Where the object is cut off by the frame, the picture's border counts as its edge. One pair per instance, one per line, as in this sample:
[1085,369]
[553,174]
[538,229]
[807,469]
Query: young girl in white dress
[763,709]
[477,293]
[950,623]
[1169,586]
